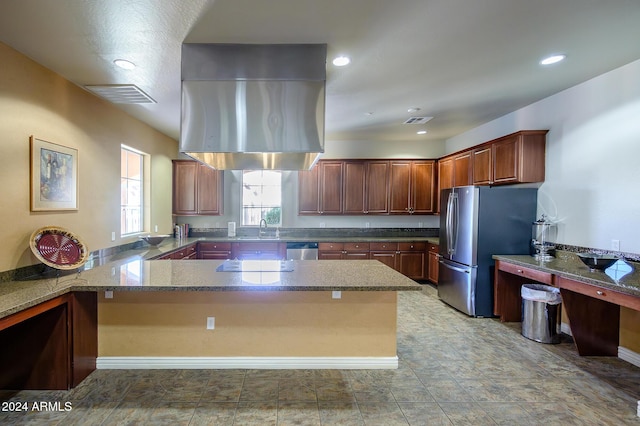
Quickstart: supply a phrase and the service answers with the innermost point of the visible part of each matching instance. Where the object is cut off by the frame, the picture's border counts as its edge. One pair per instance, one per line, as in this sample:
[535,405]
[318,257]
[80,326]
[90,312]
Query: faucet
[260,231]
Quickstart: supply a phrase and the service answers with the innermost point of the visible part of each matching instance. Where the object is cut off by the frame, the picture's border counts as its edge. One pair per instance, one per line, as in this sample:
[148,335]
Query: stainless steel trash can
[540,312]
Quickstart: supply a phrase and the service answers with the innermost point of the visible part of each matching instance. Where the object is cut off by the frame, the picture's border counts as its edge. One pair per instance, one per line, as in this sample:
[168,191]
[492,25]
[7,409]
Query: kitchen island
[154,314]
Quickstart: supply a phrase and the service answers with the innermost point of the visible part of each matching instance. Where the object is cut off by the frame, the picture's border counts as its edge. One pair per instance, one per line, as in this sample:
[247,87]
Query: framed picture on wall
[54,176]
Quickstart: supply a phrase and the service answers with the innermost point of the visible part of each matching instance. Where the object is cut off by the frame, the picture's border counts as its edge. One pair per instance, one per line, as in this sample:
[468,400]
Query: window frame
[143,218]
[262,206]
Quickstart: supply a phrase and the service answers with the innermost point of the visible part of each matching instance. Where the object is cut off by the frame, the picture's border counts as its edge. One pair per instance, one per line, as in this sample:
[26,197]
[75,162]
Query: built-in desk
[592,299]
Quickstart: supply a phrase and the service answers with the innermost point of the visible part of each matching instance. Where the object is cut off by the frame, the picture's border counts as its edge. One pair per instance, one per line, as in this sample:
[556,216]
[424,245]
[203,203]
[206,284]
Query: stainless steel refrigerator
[477,222]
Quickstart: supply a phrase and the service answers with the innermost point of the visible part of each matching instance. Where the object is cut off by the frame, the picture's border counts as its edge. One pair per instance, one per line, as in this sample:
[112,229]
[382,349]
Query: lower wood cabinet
[207,250]
[433,262]
[53,345]
[407,258]
[188,252]
[256,250]
[343,251]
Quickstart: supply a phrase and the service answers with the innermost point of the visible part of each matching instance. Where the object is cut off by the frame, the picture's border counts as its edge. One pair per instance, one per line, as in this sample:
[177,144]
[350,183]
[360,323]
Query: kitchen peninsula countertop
[623,277]
[136,273]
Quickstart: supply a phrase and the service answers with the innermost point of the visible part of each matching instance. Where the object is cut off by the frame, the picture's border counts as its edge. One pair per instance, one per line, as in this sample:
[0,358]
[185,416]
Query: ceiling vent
[417,120]
[121,93]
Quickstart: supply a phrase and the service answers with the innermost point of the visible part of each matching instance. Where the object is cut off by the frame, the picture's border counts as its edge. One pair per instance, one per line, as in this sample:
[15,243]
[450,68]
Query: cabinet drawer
[330,246]
[214,246]
[601,293]
[356,246]
[383,246]
[412,246]
[532,274]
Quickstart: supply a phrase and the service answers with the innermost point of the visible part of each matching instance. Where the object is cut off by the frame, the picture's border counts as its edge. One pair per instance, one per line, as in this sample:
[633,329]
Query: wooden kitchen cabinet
[343,251]
[407,258]
[412,187]
[463,169]
[214,250]
[433,262]
[197,189]
[54,345]
[259,250]
[320,189]
[482,163]
[411,258]
[365,187]
[519,157]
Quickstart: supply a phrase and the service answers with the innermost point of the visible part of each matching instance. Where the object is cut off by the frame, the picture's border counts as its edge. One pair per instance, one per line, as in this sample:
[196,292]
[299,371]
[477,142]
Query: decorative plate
[58,248]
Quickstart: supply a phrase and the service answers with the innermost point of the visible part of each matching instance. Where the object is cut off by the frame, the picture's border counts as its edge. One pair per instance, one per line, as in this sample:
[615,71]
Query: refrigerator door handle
[455,268]
[452,222]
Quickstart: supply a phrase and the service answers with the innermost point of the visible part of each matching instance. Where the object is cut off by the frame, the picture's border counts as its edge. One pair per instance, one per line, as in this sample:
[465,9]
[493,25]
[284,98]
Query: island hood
[253,106]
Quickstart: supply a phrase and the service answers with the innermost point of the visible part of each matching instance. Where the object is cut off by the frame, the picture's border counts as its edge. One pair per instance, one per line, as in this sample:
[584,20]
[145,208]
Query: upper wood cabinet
[482,163]
[365,187]
[519,157]
[368,187]
[462,169]
[197,189]
[320,189]
[411,187]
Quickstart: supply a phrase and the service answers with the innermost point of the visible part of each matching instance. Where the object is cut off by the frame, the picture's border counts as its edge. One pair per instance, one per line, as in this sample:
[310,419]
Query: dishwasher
[302,250]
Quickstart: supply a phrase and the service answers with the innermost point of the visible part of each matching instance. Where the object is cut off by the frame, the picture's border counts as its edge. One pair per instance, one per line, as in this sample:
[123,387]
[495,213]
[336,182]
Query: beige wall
[36,101]
[269,324]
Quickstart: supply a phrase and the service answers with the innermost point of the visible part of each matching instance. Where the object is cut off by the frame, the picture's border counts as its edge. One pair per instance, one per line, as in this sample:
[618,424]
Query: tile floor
[453,370]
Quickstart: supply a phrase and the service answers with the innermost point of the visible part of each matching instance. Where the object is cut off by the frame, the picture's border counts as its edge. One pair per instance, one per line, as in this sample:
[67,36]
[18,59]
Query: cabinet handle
[520,271]
[600,293]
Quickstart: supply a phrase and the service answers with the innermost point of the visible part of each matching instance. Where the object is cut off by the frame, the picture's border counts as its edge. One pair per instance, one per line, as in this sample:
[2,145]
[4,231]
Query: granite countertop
[135,273]
[623,276]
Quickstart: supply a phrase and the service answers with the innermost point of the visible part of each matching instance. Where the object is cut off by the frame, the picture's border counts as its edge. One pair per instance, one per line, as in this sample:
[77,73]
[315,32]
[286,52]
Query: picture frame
[54,176]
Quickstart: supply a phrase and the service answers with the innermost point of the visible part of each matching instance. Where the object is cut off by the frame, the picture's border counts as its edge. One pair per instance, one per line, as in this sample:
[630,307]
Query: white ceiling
[464,62]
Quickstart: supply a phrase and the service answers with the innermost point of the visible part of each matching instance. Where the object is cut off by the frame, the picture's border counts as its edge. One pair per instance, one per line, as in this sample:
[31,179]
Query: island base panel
[248,324]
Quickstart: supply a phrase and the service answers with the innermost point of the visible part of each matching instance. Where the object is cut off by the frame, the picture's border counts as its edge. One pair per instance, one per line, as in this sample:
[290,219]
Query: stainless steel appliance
[302,250]
[476,223]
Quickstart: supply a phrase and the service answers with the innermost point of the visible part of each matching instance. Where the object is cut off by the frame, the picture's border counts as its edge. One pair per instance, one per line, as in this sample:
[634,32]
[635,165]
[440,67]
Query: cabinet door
[412,264]
[399,186]
[258,251]
[184,187]
[330,187]
[445,173]
[462,173]
[483,166]
[353,201]
[308,195]
[422,187]
[432,267]
[209,190]
[377,187]
[506,160]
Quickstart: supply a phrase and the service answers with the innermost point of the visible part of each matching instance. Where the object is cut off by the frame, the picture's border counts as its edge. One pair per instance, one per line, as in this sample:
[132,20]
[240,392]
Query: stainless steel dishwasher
[302,250]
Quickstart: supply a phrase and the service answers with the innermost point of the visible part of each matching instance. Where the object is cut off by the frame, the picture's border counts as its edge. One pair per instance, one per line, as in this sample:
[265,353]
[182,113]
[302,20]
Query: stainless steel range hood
[248,106]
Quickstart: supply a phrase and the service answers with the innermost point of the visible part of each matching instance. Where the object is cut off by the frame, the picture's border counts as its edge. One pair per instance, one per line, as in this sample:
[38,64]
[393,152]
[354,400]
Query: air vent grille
[121,93]
[417,120]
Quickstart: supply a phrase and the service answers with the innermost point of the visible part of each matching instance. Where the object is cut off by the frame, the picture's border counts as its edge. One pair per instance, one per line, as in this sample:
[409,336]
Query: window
[261,197]
[131,191]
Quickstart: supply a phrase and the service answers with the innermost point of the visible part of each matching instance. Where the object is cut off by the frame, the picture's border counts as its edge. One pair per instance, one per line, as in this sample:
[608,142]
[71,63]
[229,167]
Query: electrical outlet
[366,224]
[336,294]
[211,323]
[615,245]
[113,236]
[108,294]
[322,225]
[155,228]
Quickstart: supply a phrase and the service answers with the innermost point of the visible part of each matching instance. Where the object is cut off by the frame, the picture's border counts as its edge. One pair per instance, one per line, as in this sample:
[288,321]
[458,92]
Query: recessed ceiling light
[421,132]
[341,61]
[123,63]
[552,59]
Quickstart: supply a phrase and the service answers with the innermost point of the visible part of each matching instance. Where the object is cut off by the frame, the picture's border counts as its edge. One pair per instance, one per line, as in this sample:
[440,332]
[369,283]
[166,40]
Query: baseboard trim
[271,363]
[629,356]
